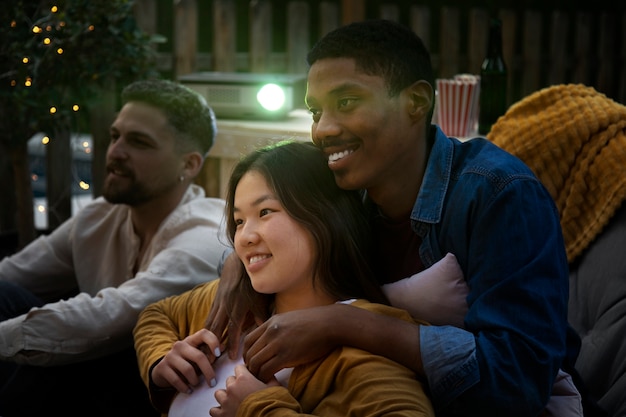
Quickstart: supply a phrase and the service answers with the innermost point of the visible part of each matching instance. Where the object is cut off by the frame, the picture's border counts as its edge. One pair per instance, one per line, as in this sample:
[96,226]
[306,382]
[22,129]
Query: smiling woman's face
[277,251]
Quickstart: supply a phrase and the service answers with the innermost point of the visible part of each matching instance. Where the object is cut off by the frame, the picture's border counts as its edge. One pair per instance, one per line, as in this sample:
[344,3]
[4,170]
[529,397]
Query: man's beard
[134,194]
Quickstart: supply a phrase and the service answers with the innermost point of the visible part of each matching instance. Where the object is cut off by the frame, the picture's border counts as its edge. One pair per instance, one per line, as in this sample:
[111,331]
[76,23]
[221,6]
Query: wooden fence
[541,48]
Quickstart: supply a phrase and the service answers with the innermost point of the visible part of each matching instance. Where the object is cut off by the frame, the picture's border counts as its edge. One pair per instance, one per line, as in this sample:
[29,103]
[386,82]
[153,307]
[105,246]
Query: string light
[13,83]
[51,33]
[13,23]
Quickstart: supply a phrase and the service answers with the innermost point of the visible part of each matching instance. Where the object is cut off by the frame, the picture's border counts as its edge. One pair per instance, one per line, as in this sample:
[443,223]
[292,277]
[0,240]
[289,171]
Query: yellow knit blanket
[574,139]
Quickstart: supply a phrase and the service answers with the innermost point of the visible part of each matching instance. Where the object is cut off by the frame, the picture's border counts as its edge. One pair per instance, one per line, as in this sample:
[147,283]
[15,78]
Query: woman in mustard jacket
[303,242]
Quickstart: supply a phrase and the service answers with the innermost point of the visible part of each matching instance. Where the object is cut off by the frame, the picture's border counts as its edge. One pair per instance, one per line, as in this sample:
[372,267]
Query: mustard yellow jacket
[347,382]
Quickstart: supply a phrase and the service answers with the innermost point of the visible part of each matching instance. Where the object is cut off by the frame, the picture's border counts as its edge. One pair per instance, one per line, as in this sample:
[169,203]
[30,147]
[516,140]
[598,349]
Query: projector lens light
[271,97]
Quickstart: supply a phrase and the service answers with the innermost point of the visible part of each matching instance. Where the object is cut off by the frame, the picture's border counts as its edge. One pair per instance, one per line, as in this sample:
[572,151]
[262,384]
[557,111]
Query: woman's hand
[238,387]
[186,361]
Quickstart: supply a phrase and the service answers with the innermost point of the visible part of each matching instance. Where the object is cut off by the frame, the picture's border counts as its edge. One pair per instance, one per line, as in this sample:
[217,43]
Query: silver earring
[182,178]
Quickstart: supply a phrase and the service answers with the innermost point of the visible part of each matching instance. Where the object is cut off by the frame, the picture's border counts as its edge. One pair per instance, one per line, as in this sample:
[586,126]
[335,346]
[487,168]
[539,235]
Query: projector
[238,95]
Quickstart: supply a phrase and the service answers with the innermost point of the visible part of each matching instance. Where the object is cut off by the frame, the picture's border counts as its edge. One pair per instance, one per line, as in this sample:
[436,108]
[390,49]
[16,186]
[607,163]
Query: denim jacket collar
[429,204]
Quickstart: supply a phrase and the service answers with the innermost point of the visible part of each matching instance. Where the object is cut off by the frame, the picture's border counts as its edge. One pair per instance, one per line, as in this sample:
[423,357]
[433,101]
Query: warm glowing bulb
[28,83]
[53,110]
[60,51]
[49,28]
[36,29]
[91,27]
[41,208]
[25,60]
[83,185]
[75,107]
[13,23]
[13,83]
[47,41]
[54,9]
[45,140]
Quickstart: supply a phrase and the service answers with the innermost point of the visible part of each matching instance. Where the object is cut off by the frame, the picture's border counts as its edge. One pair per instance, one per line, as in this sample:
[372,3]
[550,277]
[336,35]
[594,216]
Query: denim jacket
[487,208]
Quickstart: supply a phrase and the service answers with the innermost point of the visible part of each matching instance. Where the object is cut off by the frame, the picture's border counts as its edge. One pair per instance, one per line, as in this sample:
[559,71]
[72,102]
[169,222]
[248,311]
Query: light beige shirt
[96,250]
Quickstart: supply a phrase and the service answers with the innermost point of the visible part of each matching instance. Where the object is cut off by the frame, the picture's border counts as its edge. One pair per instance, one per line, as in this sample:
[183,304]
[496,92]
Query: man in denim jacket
[370,92]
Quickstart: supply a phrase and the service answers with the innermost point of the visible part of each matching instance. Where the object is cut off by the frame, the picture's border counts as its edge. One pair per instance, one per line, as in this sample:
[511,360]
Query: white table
[236,138]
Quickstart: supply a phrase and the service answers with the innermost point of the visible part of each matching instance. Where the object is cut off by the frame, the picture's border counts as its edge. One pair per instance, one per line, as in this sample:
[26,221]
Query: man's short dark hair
[379,47]
[186,111]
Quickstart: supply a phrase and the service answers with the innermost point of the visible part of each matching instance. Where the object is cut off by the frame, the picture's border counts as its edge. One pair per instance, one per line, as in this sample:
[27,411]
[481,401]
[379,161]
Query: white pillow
[436,295]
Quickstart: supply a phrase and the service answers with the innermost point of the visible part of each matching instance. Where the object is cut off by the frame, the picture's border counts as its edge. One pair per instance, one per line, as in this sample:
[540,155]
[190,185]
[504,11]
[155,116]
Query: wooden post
[477,45]
[8,190]
[420,23]
[531,67]
[209,177]
[59,176]
[185,36]
[559,52]
[145,13]
[224,35]
[297,36]
[101,116]
[582,57]
[621,62]
[509,30]
[449,41]
[260,35]
[607,53]
[22,205]
[352,11]
[389,12]
[329,18]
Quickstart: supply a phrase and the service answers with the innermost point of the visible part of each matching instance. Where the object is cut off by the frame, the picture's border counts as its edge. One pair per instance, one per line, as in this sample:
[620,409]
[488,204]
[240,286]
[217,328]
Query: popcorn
[457,105]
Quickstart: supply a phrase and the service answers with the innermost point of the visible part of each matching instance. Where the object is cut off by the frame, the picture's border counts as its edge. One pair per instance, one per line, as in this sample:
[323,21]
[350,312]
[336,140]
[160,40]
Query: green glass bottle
[493,80]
